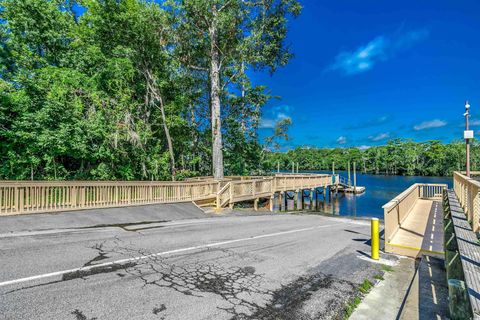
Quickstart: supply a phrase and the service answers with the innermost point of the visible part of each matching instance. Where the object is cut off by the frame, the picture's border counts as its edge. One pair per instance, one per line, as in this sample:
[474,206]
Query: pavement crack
[102,255]
[287,302]
[160,309]
[80,316]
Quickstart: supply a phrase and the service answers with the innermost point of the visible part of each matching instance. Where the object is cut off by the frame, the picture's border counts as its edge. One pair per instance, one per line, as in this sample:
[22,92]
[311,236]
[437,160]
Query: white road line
[123,261]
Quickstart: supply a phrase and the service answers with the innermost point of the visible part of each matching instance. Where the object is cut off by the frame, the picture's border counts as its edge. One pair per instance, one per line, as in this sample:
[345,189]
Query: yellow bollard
[375,239]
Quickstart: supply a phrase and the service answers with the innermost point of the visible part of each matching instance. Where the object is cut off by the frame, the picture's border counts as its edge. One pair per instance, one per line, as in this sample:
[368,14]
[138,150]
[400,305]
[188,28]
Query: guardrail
[468,193]
[397,210]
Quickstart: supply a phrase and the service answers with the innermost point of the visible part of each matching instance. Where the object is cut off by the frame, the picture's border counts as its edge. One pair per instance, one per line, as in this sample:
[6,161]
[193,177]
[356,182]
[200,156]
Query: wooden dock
[24,197]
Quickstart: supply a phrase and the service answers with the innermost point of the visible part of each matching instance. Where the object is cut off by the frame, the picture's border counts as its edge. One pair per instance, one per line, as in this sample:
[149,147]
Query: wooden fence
[397,209]
[468,193]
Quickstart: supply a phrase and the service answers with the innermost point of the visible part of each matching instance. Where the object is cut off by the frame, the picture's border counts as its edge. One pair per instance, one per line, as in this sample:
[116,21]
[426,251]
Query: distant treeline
[397,157]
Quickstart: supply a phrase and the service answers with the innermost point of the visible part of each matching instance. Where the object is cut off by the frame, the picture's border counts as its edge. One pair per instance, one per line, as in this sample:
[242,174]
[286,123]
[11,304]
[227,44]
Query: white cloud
[474,122]
[380,136]
[379,49]
[430,124]
[342,140]
[274,115]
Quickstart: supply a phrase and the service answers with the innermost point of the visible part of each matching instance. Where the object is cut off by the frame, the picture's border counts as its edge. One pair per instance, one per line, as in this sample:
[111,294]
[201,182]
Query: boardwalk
[23,197]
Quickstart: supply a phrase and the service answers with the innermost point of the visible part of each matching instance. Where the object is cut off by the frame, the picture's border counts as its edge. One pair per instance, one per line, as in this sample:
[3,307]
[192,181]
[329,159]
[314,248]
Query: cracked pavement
[161,266]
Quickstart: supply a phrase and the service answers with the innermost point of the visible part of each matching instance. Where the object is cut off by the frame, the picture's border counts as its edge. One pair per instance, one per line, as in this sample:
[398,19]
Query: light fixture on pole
[467,135]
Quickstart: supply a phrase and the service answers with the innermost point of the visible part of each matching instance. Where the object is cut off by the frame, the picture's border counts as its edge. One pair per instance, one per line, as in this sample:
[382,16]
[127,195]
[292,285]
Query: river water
[380,189]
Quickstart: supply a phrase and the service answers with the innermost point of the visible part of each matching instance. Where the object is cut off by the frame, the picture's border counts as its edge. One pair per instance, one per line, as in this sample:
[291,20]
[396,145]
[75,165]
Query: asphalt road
[152,263]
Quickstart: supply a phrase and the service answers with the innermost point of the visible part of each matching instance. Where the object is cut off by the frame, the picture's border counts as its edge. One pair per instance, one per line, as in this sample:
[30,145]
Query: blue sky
[367,71]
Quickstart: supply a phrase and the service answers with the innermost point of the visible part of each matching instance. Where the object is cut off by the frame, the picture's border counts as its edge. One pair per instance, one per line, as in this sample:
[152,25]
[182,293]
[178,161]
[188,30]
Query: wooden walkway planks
[469,249]
[421,231]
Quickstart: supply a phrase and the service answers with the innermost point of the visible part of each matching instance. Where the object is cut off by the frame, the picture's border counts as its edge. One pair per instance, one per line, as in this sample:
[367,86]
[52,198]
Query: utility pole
[467,135]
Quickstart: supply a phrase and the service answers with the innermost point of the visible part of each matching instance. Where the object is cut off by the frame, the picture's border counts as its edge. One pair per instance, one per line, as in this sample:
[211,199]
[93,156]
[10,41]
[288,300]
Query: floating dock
[356,190]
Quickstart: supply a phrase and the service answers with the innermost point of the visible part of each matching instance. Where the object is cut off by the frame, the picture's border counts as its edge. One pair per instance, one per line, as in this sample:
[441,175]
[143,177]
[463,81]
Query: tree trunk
[169,139]
[243,111]
[217,153]
[154,92]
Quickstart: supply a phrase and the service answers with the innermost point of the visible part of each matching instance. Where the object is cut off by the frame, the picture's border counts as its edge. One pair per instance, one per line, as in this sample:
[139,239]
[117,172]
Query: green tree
[225,38]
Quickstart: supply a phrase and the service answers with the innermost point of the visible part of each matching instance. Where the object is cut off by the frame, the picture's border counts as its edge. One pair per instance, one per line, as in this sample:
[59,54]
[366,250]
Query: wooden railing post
[83,195]
[476,212]
[21,197]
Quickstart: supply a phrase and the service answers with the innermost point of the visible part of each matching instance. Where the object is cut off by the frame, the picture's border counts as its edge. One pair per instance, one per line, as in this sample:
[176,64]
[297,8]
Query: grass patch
[350,307]
[365,286]
[387,268]
[378,277]
[363,289]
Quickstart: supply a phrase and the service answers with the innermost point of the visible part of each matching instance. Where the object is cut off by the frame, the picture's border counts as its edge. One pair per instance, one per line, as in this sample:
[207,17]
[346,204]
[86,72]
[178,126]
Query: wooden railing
[284,182]
[468,193]
[224,195]
[18,197]
[397,209]
[462,261]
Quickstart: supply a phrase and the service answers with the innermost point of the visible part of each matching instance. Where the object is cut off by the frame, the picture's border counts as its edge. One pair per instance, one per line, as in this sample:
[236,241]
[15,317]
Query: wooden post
[278,166]
[299,201]
[270,202]
[296,201]
[218,201]
[297,166]
[255,204]
[21,196]
[354,179]
[459,306]
[230,190]
[349,180]
[280,200]
[73,196]
[311,198]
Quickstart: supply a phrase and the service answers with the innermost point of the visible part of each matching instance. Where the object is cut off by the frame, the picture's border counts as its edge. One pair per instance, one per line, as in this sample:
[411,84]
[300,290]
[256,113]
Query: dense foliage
[132,89]
[401,157]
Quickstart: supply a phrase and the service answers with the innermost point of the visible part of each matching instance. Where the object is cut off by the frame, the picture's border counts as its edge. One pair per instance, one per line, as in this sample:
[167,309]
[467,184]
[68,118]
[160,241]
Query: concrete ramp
[100,217]
[421,232]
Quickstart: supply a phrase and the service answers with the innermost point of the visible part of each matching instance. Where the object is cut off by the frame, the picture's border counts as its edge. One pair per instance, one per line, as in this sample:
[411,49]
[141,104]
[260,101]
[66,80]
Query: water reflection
[379,190]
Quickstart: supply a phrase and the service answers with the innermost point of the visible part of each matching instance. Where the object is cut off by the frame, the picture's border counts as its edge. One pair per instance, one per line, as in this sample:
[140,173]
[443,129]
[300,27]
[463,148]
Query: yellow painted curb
[416,249]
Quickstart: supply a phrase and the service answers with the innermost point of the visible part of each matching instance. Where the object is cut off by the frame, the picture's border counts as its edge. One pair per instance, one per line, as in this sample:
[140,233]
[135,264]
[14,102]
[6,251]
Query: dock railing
[19,197]
[468,192]
[398,209]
